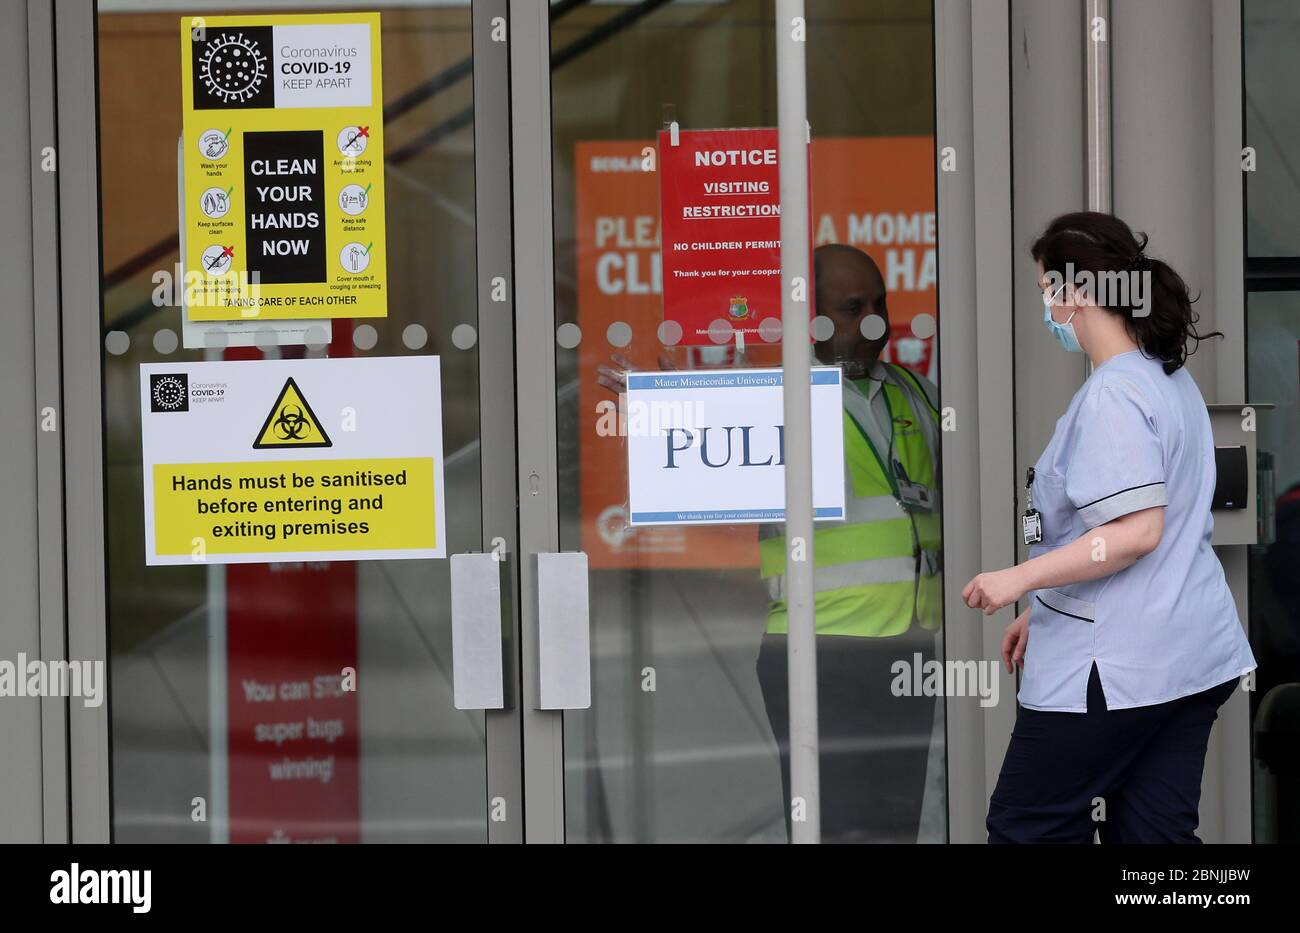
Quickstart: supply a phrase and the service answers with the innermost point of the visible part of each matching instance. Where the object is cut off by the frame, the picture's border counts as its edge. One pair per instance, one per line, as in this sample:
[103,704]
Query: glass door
[319,699]
[294,699]
[1270,34]
[686,737]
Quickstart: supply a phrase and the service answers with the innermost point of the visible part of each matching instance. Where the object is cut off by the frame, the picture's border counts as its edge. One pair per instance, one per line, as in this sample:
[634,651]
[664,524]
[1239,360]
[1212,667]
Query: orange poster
[877,193]
[873,193]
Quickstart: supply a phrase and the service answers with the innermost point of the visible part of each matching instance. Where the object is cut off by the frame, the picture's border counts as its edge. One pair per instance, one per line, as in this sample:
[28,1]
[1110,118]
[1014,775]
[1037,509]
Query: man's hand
[1014,642]
[992,591]
[615,379]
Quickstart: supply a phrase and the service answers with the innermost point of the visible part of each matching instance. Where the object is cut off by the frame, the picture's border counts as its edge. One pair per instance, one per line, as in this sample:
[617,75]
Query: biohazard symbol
[291,422]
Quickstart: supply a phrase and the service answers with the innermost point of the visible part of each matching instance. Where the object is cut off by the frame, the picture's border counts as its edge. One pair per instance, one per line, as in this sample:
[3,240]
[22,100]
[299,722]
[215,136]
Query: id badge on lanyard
[1031,522]
[915,496]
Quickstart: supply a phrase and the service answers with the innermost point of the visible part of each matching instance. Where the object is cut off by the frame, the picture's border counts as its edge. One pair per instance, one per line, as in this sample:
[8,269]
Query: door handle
[477,646]
[563,631]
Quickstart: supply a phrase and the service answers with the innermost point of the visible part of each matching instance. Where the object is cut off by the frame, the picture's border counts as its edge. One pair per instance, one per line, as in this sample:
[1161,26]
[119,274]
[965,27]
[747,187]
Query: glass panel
[1271,36]
[1273,375]
[408,766]
[684,738]
[1271,33]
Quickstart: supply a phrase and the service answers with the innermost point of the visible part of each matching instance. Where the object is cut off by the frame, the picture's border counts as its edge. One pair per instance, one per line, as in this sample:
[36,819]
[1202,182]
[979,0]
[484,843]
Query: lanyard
[1031,522]
[889,474]
[910,496]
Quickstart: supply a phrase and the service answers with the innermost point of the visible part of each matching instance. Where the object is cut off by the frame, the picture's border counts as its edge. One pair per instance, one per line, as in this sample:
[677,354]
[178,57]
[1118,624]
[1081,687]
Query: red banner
[293,750]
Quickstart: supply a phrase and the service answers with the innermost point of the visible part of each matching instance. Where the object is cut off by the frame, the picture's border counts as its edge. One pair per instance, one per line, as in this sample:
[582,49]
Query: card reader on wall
[1231,487]
[1234,430]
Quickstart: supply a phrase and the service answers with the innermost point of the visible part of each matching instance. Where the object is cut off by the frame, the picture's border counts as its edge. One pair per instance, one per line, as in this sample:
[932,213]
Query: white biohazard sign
[286,460]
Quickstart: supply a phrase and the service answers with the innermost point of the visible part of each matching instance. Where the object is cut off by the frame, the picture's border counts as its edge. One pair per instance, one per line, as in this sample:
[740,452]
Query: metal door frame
[34,773]
[973,124]
[68,311]
[530,135]
[497,415]
[969,534]
[76,105]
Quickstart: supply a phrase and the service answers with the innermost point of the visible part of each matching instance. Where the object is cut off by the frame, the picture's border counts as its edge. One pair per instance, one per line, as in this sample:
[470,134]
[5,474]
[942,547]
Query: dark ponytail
[1103,245]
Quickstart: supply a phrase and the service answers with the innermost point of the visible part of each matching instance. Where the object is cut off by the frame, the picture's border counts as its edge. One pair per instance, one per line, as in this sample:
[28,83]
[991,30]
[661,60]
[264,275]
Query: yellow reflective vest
[878,571]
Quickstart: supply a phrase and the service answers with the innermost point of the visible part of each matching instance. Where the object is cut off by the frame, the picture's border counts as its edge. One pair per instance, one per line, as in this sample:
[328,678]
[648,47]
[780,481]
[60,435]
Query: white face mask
[1064,333]
[852,368]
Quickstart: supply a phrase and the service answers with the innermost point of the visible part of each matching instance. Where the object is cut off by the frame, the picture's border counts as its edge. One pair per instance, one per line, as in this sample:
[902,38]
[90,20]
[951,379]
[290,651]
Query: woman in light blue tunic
[1130,640]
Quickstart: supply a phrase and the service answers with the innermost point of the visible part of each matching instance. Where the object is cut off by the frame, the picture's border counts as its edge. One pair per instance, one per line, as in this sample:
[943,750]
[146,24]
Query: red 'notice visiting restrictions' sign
[720,211]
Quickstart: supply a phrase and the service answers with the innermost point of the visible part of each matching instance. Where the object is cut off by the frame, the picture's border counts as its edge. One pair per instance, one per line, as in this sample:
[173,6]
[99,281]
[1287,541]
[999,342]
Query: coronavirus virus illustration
[232,67]
[168,393]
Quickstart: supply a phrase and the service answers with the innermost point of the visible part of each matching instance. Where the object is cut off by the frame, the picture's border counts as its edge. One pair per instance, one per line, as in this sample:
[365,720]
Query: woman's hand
[992,591]
[1015,639]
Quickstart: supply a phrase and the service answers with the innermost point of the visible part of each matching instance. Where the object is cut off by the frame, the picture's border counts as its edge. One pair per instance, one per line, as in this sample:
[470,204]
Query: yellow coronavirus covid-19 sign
[283,155]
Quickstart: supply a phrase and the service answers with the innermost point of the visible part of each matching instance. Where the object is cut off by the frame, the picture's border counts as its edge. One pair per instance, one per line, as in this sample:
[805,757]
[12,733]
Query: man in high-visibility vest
[877,577]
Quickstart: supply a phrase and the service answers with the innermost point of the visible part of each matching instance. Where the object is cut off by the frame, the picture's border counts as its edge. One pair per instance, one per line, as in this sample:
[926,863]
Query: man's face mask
[840,349]
[852,368]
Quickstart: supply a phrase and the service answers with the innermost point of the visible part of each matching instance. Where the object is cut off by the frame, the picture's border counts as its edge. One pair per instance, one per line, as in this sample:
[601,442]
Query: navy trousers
[875,747]
[1131,775]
